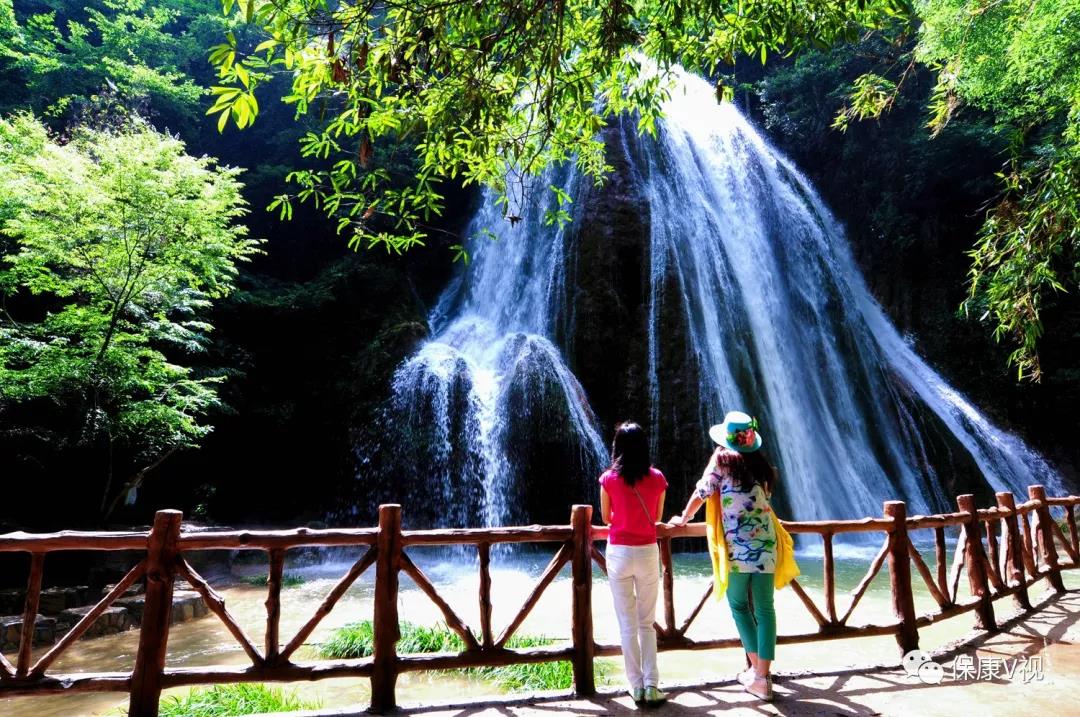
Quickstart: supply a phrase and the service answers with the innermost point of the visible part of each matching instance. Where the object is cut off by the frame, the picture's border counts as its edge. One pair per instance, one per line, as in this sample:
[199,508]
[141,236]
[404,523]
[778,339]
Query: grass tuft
[288,580]
[532,676]
[356,640]
[230,700]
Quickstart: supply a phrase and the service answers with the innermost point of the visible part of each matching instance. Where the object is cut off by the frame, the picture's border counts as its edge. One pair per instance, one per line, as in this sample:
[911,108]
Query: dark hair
[630,452]
[747,469]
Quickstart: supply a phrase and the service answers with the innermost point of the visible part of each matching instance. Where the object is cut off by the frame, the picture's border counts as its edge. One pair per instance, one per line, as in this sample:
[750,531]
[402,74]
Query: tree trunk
[135,481]
[108,482]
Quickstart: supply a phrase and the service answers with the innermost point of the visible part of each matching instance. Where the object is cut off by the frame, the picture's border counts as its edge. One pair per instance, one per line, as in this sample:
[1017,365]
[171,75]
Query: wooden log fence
[1002,552]
[903,601]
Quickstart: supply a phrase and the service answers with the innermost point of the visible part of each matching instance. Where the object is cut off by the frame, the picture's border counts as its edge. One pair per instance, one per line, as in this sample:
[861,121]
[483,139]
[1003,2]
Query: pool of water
[206,642]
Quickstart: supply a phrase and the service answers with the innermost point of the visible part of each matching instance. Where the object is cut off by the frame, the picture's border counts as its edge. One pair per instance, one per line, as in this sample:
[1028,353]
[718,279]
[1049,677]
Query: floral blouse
[748,526]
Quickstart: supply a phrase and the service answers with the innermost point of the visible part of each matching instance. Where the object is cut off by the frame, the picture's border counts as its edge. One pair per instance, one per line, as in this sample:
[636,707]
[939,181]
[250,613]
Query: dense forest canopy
[960,135]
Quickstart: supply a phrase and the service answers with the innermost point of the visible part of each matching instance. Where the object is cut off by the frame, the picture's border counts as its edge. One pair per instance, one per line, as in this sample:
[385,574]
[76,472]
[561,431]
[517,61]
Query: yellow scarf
[786,567]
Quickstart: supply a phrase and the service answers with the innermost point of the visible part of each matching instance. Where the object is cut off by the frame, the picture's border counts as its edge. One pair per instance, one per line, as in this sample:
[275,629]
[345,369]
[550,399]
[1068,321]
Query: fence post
[387,628]
[668,587]
[484,554]
[30,612]
[581,614]
[161,554]
[1014,559]
[1046,538]
[273,606]
[975,562]
[907,633]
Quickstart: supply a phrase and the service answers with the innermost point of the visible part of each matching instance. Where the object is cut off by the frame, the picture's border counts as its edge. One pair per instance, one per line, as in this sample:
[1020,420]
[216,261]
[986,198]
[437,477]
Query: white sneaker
[761,688]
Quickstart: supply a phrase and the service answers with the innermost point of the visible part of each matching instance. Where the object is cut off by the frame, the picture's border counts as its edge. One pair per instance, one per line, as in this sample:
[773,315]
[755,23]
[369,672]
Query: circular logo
[931,673]
[913,660]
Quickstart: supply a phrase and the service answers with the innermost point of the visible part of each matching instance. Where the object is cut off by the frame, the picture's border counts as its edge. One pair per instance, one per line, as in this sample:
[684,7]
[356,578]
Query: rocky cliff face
[608,348]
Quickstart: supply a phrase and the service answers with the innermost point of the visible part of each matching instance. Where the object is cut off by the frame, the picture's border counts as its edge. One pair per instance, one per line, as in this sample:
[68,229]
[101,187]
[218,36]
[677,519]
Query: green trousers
[757,629]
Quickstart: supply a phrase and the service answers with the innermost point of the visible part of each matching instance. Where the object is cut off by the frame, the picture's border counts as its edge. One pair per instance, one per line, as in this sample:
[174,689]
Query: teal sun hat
[739,432]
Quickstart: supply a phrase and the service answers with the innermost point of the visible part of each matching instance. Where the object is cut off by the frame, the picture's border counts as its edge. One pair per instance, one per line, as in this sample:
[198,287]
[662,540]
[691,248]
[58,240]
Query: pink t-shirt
[629,523]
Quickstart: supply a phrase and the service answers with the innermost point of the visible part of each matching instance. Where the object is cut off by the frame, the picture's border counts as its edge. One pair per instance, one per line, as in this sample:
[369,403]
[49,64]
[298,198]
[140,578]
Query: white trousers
[634,576]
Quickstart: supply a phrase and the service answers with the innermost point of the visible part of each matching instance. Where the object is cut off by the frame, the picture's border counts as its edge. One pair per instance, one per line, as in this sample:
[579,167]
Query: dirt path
[1040,650]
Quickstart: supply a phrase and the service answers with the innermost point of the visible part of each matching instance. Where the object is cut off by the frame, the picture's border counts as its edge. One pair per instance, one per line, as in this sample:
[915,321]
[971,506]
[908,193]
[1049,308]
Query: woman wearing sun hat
[751,552]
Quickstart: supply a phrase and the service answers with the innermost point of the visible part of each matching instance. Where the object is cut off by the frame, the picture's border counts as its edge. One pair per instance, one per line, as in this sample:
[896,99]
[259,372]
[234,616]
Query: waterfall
[773,317]
[489,398]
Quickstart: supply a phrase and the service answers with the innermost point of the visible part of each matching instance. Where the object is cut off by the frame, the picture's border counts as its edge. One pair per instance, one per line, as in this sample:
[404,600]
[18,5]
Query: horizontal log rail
[476,536]
[278,539]
[18,541]
[1004,550]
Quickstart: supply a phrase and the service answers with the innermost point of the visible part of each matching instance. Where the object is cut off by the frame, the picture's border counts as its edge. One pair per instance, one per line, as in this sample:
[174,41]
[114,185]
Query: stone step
[11,631]
[11,601]
[187,605]
[115,619]
[54,601]
[136,589]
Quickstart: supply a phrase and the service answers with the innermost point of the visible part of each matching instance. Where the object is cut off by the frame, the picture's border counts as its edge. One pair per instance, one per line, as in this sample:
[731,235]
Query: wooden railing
[1003,549]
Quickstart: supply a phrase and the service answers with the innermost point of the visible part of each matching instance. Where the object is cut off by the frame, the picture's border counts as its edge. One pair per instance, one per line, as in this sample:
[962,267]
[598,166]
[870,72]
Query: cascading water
[782,322]
[772,317]
[490,393]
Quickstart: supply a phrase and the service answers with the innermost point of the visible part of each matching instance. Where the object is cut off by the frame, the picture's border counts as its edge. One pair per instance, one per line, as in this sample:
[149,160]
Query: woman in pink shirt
[631,501]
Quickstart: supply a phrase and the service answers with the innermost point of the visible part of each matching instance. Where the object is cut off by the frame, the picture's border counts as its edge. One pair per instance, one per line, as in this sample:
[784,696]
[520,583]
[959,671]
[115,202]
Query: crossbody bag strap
[648,513]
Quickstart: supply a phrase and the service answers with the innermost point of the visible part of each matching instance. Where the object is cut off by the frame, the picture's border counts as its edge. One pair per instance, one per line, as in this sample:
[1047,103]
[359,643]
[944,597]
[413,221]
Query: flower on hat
[738,432]
[744,437]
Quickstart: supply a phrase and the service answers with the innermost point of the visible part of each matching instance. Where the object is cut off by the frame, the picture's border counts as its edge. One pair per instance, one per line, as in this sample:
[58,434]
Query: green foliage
[1019,61]
[288,580]
[485,93]
[117,243]
[142,54]
[357,640]
[99,63]
[871,95]
[1028,249]
[230,700]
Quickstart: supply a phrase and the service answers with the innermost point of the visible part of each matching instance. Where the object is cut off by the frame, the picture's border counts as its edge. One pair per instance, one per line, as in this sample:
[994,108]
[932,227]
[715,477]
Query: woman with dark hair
[631,501]
[751,552]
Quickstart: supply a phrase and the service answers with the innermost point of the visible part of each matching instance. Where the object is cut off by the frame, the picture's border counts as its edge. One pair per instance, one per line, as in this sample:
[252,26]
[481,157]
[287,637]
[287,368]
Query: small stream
[205,641]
